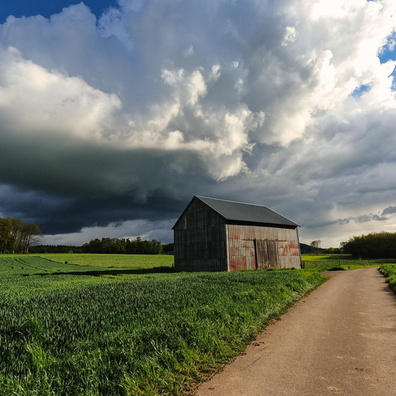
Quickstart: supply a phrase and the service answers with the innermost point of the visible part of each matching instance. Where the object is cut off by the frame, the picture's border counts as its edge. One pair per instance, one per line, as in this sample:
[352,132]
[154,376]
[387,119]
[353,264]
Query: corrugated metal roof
[244,212]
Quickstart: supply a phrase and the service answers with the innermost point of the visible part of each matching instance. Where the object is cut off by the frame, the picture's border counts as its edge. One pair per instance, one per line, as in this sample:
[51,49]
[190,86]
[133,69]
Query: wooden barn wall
[200,240]
[251,247]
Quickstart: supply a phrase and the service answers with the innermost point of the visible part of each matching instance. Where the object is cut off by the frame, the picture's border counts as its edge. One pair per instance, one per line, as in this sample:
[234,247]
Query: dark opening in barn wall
[219,235]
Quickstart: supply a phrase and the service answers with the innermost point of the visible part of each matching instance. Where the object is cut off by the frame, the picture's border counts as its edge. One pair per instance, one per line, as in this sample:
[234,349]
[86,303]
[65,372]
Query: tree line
[16,236]
[374,245]
[110,246]
[123,246]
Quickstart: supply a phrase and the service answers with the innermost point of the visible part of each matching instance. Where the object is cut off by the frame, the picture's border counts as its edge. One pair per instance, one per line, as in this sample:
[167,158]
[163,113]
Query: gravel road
[339,340]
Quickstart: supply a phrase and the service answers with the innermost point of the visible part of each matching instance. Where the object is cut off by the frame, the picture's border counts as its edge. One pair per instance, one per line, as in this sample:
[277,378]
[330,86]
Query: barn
[218,235]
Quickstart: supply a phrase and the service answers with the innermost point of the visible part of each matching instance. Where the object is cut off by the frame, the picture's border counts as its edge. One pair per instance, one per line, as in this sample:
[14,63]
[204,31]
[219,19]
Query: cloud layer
[123,118]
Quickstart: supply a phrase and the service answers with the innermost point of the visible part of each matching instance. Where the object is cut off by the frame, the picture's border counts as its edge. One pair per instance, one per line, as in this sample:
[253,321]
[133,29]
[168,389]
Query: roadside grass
[389,271]
[154,334]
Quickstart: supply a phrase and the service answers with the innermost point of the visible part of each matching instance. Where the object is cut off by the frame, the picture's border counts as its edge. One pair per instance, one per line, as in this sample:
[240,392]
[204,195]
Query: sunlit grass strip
[320,257]
[116,261]
[137,337]
[67,263]
[336,262]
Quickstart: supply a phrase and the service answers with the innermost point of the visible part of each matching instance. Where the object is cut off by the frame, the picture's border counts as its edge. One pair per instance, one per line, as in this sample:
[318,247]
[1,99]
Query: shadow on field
[140,271]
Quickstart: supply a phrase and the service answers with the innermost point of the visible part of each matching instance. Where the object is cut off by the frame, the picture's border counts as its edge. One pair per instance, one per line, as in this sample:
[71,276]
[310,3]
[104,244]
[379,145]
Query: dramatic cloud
[111,123]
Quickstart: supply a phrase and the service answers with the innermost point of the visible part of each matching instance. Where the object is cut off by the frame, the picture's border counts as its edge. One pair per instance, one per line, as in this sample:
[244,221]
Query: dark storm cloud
[389,210]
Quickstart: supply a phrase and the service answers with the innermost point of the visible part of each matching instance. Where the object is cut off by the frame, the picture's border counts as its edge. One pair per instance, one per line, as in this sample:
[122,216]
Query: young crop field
[146,334]
[116,261]
[29,265]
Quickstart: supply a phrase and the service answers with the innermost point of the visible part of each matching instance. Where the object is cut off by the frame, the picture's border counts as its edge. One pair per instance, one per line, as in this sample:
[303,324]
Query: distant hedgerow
[374,245]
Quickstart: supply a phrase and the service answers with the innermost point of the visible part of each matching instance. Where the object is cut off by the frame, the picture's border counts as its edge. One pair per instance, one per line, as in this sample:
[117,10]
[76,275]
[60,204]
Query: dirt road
[341,340]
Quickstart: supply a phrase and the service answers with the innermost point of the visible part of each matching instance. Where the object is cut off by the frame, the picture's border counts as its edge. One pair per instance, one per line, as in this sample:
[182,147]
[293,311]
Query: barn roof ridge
[234,211]
[246,212]
[235,202]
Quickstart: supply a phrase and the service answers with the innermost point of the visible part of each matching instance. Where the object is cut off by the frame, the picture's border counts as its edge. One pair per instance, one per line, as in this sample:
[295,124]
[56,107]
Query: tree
[5,234]
[123,246]
[31,233]
[316,244]
[16,236]
[374,245]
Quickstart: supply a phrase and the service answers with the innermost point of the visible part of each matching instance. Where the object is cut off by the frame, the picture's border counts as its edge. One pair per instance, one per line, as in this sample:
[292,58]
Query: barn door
[250,255]
[267,254]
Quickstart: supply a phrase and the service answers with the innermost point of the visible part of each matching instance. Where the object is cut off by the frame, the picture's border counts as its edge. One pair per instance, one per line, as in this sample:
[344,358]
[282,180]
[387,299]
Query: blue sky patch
[358,92]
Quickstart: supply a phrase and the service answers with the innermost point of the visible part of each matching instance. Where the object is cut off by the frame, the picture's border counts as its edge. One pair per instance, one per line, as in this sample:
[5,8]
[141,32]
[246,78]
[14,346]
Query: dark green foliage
[16,236]
[374,245]
[389,270]
[168,248]
[54,249]
[122,246]
[133,336]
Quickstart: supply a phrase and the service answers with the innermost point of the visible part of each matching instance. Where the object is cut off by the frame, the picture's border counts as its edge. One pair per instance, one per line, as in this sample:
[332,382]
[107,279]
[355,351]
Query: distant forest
[16,236]
[110,246]
[374,245]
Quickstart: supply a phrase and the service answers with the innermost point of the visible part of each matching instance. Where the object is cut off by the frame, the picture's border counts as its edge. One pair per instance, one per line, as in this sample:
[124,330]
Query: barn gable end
[219,235]
[200,239]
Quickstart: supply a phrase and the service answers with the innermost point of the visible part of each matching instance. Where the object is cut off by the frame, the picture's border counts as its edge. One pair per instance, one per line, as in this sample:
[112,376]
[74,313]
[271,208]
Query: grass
[107,261]
[30,265]
[136,333]
[321,257]
[117,261]
[337,262]
[389,271]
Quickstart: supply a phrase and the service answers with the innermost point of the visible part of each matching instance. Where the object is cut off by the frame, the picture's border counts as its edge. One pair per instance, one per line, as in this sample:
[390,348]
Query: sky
[114,114]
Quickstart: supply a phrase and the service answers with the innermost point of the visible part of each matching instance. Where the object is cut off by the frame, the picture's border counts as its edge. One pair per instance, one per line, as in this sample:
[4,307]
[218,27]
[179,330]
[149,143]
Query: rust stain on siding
[254,247]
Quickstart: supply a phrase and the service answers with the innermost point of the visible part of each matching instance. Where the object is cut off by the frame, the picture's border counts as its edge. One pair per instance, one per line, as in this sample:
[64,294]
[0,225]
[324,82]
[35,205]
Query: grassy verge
[336,262]
[389,271]
[130,335]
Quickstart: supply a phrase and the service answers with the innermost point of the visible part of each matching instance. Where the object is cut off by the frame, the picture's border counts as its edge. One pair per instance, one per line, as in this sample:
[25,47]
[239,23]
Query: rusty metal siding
[200,240]
[267,254]
[206,241]
[252,247]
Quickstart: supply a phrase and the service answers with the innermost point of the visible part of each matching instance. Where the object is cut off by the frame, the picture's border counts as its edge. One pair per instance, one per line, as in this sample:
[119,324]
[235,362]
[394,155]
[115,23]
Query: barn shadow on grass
[140,271]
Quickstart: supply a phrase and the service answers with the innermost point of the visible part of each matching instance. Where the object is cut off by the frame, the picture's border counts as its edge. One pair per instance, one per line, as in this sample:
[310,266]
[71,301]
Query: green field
[30,265]
[117,261]
[336,262]
[87,328]
[98,261]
